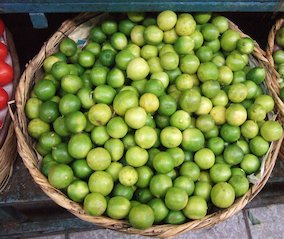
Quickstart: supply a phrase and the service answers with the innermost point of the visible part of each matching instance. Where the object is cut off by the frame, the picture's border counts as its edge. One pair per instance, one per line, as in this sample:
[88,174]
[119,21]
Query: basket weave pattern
[32,160]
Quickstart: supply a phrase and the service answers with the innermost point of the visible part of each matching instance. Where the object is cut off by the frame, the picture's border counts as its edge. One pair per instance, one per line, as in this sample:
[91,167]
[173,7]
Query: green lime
[153,35]
[94,48]
[122,59]
[145,174]
[78,190]
[176,199]
[245,45]
[137,35]
[136,16]
[69,103]
[86,97]
[60,69]
[145,137]
[221,23]
[191,170]
[60,127]
[128,176]
[107,57]
[166,20]
[60,176]
[207,71]
[48,111]
[180,119]
[97,35]
[75,122]
[125,26]
[250,164]
[116,128]
[68,47]
[204,158]
[143,195]
[220,172]
[196,208]
[118,40]
[204,53]
[159,208]
[203,190]
[202,18]
[163,162]
[271,130]
[114,169]
[98,158]
[185,183]
[44,89]
[184,82]
[240,184]
[155,87]
[118,207]
[210,32]
[184,45]
[32,108]
[233,154]
[48,140]
[136,156]
[60,153]
[81,169]
[256,74]
[98,75]
[79,145]
[222,195]
[190,100]
[116,148]
[86,58]
[95,204]
[185,24]
[193,139]
[109,27]
[141,216]
[169,61]
[101,182]
[99,114]
[159,185]
[229,40]
[170,36]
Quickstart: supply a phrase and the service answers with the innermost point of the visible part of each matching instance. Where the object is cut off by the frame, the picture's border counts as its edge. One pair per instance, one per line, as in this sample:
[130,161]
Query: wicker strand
[32,162]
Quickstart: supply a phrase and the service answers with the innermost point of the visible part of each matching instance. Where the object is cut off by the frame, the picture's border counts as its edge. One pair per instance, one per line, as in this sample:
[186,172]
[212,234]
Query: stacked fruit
[278,57]
[155,119]
[6,74]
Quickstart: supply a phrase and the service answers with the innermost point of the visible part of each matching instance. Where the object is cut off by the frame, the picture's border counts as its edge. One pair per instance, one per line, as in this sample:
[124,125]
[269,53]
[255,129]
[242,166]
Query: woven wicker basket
[274,84]
[8,146]
[32,161]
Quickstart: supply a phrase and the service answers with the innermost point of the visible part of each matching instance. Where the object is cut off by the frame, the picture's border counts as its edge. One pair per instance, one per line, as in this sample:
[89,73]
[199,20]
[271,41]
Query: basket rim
[274,86]
[29,156]
[8,144]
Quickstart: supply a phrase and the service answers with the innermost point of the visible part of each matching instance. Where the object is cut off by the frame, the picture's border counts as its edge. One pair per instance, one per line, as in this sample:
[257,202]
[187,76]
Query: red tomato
[3,51]
[6,73]
[2,27]
[3,98]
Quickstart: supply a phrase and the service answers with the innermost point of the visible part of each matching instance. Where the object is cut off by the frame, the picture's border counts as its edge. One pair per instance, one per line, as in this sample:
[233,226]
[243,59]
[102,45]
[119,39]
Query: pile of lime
[278,57]
[157,119]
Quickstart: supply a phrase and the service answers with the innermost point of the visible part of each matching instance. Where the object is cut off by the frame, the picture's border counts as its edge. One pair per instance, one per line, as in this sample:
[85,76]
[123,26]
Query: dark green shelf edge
[32,6]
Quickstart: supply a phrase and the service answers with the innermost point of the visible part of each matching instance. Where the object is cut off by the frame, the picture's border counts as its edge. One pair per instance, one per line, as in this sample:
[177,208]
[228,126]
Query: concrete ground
[253,223]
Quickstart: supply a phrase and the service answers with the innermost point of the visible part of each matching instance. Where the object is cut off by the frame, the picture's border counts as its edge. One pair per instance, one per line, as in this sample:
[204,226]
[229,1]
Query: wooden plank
[37,6]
